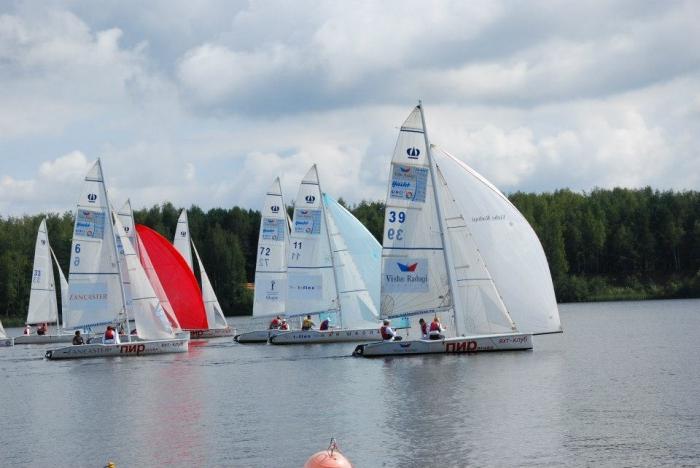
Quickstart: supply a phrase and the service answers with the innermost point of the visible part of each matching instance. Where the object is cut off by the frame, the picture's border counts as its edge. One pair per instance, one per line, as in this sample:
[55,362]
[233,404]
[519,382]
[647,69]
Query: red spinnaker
[176,278]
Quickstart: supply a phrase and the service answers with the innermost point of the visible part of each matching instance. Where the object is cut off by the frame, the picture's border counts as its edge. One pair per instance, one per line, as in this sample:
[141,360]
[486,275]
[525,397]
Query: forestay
[215,315]
[181,240]
[145,309]
[508,245]
[95,288]
[311,282]
[357,263]
[42,297]
[414,274]
[271,263]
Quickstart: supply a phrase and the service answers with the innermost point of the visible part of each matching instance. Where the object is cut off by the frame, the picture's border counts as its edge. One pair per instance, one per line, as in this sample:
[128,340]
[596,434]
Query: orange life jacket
[434,326]
[109,334]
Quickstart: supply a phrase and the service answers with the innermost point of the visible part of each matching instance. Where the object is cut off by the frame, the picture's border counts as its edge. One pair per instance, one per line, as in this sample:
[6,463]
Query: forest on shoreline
[602,245]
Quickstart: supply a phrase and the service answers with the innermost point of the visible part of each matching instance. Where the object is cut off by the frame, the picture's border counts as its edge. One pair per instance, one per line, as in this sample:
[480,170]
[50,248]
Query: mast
[330,248]
[445,245]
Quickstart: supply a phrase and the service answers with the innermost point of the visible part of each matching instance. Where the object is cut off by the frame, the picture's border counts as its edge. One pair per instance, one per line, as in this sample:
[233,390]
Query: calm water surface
[619,388]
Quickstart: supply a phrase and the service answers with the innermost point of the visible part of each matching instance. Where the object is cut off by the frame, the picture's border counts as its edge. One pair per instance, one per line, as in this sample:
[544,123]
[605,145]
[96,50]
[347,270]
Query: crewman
[307,324]
[325,325]
[77,339]
[387,333]
[284,325]
[436,329]
[109,335]
[275,323]
[423,329]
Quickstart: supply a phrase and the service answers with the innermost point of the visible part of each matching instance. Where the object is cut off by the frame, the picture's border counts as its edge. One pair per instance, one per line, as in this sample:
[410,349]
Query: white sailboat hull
[6,342]
[212,333]
[44,339]
[256,336]
[137,348]
[326,336]
[458,345]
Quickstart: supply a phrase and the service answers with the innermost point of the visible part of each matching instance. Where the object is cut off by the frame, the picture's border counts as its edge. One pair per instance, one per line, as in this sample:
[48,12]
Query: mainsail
[508,244]
[145,308]
[64,288]
[176,278]
[215,315]
[415,280]
[182,238]
[311,284]
[42,297]
[271,264]
[95,287]
[357,264]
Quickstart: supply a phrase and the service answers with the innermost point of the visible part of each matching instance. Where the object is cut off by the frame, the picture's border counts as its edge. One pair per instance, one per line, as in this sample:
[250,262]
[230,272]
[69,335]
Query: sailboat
[216,322]
[96,288]
[455,248]
[4,339]
[332,259]
[271,265]
[43,306]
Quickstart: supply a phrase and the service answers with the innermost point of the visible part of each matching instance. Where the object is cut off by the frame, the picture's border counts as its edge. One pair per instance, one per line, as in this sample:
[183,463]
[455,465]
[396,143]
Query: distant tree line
[606,244]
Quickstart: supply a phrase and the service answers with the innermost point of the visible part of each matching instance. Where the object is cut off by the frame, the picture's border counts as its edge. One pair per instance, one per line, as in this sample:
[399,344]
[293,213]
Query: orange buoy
[329,458]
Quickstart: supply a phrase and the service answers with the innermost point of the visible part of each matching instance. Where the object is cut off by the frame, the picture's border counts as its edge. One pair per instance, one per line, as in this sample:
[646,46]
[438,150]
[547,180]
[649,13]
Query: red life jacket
[109,334]
[275,323]
[324,325]
[424,328]
[434,326]
[385,335]
[284,326]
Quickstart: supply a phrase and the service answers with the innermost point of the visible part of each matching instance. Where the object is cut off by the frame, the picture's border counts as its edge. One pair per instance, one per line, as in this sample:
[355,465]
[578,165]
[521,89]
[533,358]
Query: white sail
[357,263]
[414,273]
[478,305]
[42,298]
[215,316]
[95,288]
[126,216]
[508,245]
[181,241]
[156,284]
[64,288]
[145,309]
[3,334]
[311,279]
[271,263]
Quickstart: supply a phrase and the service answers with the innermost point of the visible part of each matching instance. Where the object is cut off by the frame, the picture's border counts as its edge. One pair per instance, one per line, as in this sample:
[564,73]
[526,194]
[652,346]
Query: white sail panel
[215,316]
[271,264]
[126,216]
[181,241]
[148,267]
[478,306]
[355,252]
[3,334]
[311,284]
[64,288]
[414,276]
[42,297]
[145,309]
[95,289]
[509,246]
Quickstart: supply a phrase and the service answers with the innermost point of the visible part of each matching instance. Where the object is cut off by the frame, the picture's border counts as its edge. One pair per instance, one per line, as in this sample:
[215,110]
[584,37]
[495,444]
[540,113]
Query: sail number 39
[395,217]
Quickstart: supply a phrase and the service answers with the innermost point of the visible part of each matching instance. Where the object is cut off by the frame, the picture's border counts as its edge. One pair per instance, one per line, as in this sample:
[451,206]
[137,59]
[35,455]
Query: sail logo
[183,233]
[413,153]
[310,198]
[92,197]
[126,228]
[404,170]
[409,276]
[407,268]
[275,209]
[43,242]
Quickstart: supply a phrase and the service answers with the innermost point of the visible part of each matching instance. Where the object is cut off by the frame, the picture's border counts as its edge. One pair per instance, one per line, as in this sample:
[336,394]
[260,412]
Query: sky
[206,102]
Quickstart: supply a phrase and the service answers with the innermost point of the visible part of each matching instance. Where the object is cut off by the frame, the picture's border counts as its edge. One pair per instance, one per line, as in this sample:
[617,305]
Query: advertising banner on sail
[90,224]
[88,297]
[307,221]
[408,182]
[408,275]
[273,229]
[305,286]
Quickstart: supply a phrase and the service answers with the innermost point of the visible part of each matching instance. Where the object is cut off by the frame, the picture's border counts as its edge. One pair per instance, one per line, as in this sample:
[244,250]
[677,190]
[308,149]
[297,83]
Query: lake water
[619,388]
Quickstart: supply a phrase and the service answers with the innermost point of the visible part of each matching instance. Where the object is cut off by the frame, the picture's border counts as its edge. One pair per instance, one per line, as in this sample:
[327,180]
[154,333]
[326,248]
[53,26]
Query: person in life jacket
[436,329]
[284,325]
[325,325]
[423,329]
[307,324]
[276,322]
[42,329]
[28,330]
[387,333]
[109,335]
